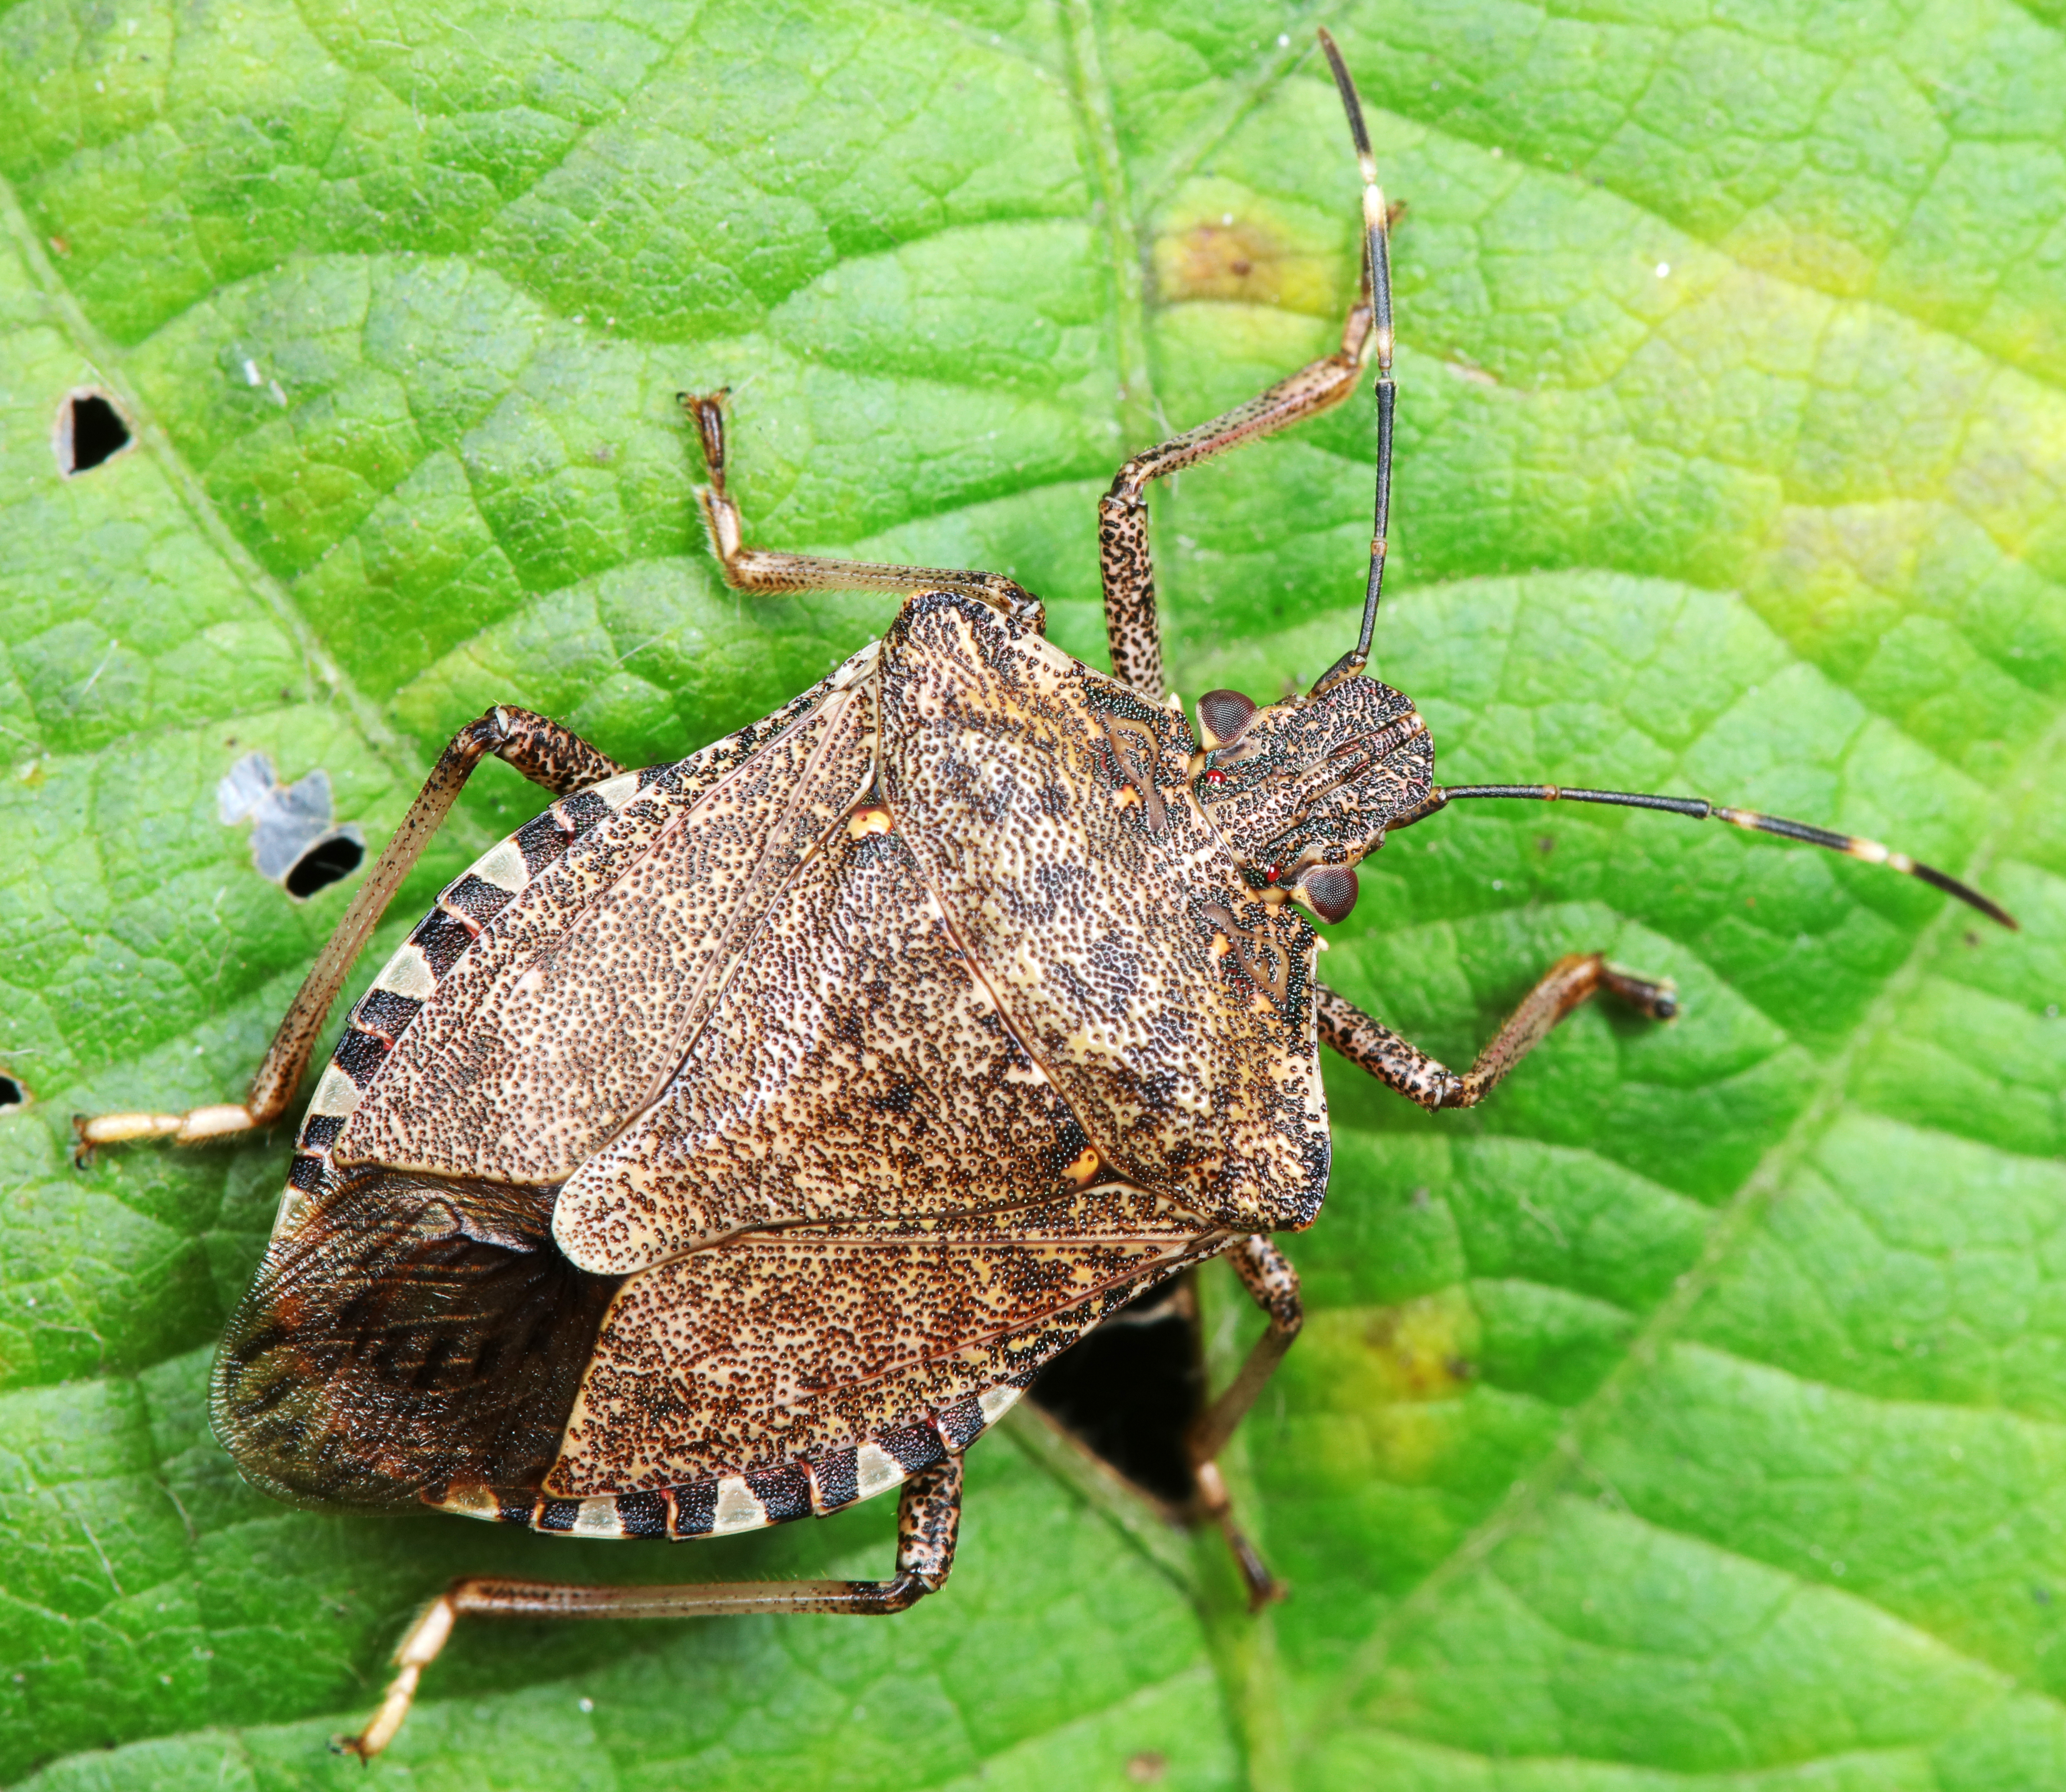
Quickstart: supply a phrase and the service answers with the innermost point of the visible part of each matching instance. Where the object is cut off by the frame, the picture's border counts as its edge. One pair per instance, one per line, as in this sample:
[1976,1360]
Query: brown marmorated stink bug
[736,1140]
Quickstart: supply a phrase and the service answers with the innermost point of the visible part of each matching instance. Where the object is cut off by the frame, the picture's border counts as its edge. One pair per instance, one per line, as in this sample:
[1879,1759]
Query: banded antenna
[1699,809]
[1377,283]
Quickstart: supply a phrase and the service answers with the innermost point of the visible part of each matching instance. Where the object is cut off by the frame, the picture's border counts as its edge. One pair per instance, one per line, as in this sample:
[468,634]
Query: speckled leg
[1400,1065]
[1125,562]
[1268,1275]
[928,1516]
[544,752]
[762,570]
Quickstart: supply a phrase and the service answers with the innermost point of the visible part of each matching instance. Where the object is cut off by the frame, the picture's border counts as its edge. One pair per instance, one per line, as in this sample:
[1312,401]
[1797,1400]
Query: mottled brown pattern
[1089,924]
[544,752]
[1397,1062]
[783,1345]
[568,1014]
[1308,782]
[858,1070]
[1402,1066]
[1126,567]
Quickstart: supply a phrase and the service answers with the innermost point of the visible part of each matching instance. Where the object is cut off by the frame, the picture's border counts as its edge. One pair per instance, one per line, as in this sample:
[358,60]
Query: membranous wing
[414,1339]
[407,1335]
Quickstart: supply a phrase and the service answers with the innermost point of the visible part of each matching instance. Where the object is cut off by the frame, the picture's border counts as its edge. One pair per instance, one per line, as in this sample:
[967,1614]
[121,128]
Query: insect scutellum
[1302,790]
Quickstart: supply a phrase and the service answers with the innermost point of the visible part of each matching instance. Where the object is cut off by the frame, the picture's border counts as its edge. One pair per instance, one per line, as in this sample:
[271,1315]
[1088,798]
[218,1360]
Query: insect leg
[928,1515]
[1125,562]
[544,752]
[1271,1279]
[1402,1066]
[763,571]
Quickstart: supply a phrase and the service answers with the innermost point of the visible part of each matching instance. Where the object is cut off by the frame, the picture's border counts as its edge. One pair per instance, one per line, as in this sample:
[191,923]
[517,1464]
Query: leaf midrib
[1091,104]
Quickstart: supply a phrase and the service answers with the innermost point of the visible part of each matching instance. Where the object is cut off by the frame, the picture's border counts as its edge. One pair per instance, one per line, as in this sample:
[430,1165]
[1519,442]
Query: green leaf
[1693,1414]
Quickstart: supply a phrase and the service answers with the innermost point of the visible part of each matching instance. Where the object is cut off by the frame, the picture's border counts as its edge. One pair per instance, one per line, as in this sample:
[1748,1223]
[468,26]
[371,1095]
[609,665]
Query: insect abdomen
[717,1506]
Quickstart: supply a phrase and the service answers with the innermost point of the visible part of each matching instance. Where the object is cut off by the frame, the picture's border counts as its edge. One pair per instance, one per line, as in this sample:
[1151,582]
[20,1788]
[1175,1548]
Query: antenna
[1377,283]
[1699,809]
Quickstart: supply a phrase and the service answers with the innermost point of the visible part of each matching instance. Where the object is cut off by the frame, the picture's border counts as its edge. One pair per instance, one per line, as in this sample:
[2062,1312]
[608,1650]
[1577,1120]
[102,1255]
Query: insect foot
[927,1520]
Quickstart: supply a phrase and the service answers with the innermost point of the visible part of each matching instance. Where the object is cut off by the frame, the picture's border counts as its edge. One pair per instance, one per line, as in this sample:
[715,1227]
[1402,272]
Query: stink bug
[737,1139]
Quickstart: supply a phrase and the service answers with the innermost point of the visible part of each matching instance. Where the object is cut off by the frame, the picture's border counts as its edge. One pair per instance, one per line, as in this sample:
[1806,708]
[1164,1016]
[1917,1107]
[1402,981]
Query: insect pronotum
[737,1139]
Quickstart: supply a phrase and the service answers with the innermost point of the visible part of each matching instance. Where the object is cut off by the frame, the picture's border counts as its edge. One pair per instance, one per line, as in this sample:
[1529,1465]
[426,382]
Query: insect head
[1302,790]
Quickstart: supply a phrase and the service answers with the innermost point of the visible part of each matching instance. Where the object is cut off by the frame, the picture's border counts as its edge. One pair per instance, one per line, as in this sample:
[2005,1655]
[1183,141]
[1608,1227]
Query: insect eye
[1331,889]
[1223,716]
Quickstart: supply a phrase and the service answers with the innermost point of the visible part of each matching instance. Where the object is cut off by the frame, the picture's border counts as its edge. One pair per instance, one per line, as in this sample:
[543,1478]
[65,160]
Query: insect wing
[790,1346]
[567,1012]
[404,1336]
[856,1071]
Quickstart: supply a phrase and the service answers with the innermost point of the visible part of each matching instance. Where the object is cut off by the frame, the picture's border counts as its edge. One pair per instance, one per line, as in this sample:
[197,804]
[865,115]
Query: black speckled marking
[961,1424]
[785,1492]
[696,1509]
[838,1480]
[556,1514]
[1070,1143]
[914,1446]
[481,901]
[665,781]
[642,1514]
[441,938]
[386,1013]
[319,1131]
[358,1055]
[541,841]
[306,1173]
[582,812]
[514,1508]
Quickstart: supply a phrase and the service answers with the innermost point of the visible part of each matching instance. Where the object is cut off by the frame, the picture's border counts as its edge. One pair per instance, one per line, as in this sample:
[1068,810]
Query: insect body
[737,1139]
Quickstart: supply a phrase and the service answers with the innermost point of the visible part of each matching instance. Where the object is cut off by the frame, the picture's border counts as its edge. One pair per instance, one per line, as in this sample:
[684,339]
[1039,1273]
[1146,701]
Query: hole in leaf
[293,840]
[12,1094]
[323,864]
[1130,1389]
[90,430]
